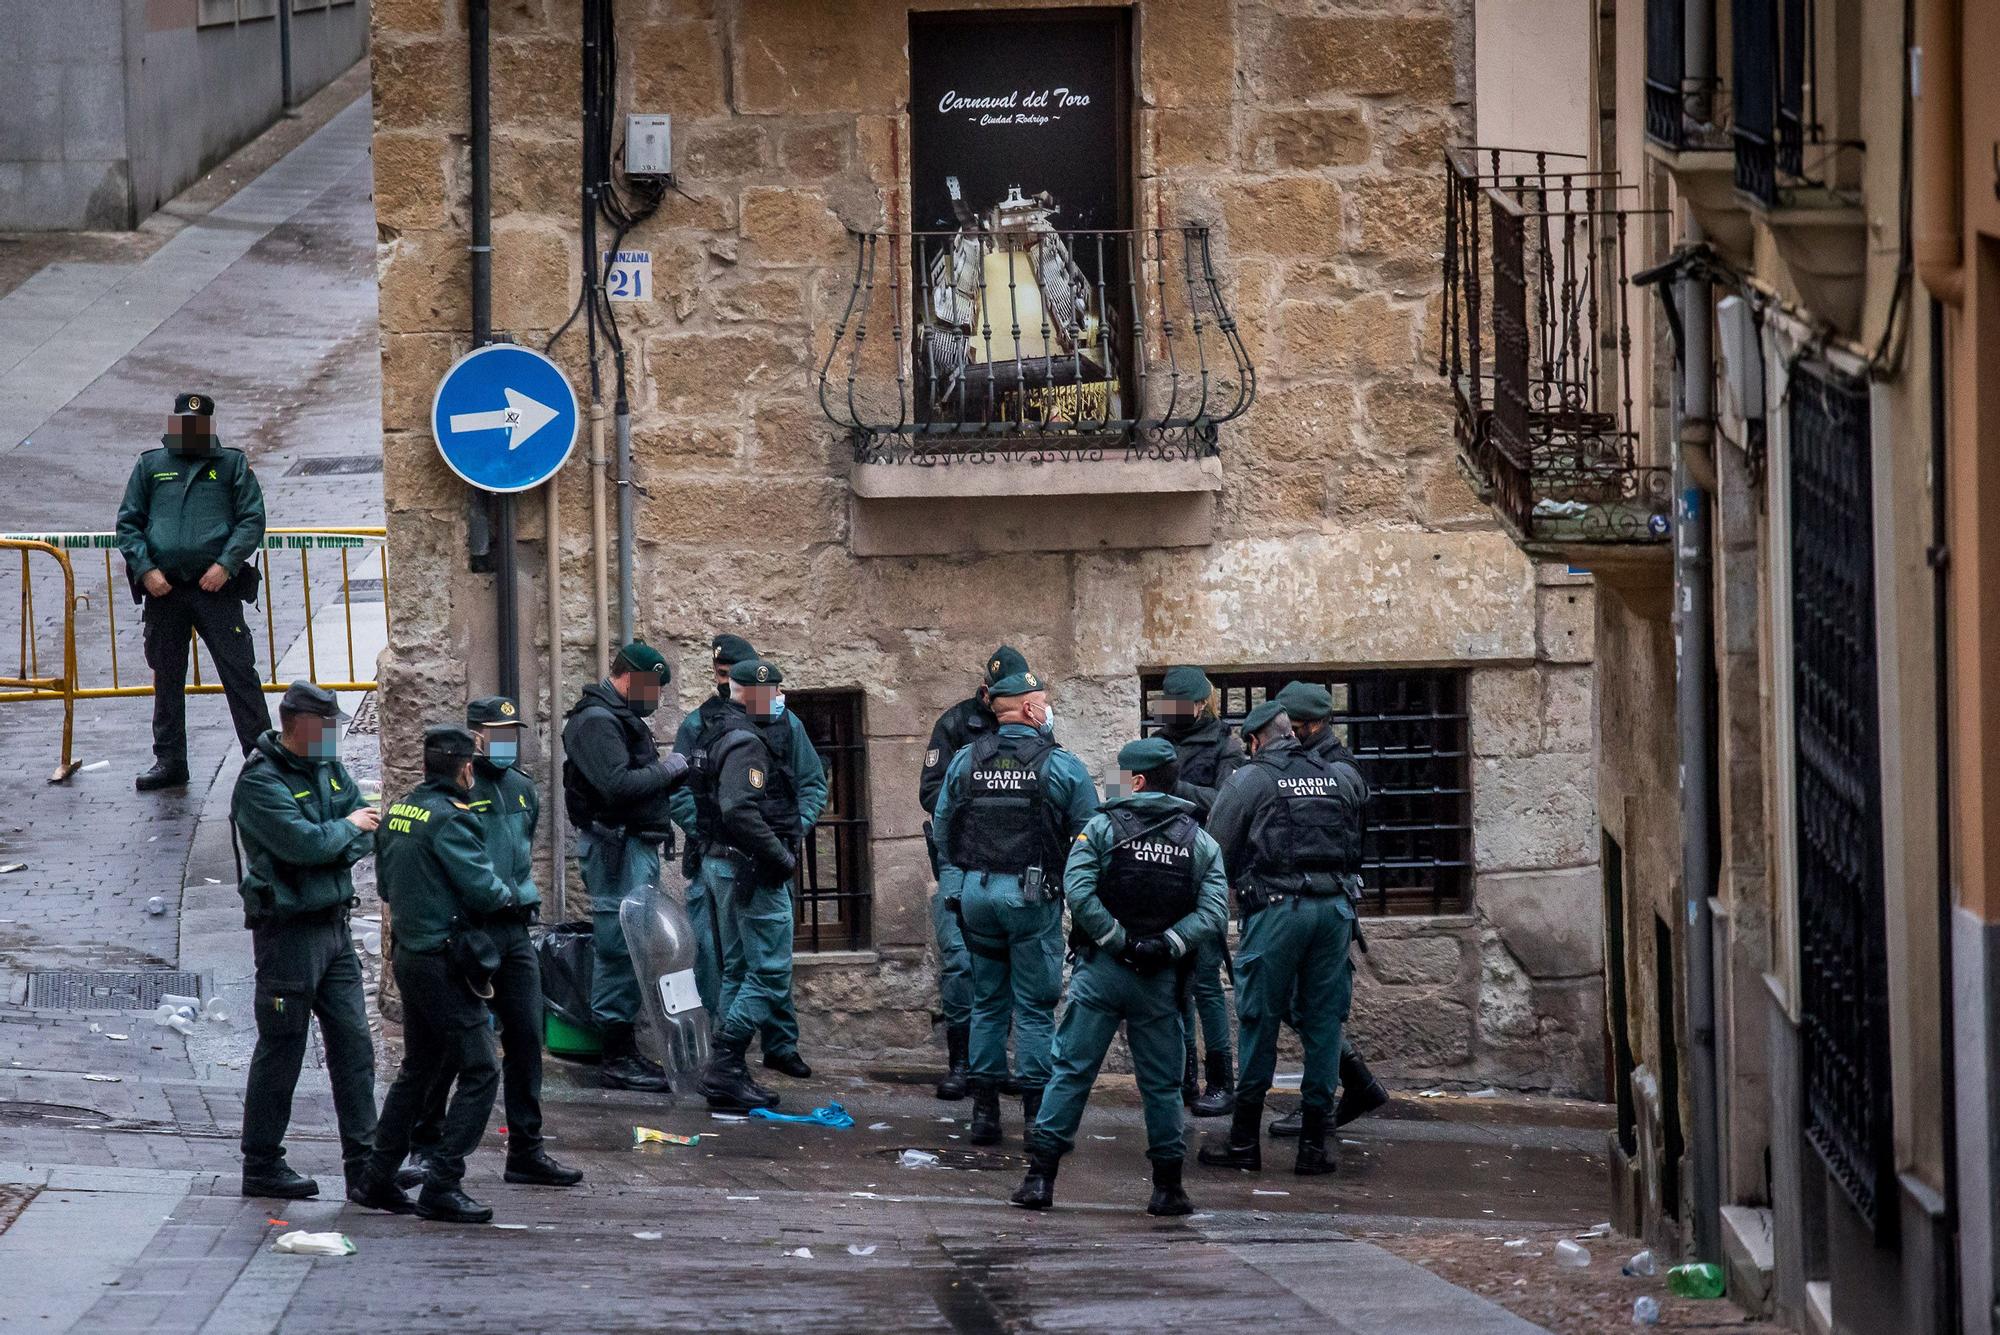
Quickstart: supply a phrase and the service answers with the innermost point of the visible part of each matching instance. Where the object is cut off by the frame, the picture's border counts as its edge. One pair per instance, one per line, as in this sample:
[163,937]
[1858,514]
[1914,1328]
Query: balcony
[1688,126]
[1081,378]
[1538,350]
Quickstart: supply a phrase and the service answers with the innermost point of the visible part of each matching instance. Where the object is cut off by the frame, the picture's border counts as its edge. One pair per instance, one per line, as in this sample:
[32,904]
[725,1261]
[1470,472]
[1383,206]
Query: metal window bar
[833,897]
[1843,951]
[1407,729]
[1775,52]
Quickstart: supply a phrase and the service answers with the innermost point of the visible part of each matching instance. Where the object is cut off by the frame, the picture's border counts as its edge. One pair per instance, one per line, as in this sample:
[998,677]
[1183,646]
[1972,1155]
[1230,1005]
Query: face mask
[1179,725]
[778,706]
[326,746]
[501,755]
[644,707]
[722,690]
[1048,728]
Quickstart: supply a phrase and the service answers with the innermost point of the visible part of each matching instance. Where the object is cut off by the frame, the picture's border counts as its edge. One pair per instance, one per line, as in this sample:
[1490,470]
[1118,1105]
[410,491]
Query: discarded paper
[315,1244]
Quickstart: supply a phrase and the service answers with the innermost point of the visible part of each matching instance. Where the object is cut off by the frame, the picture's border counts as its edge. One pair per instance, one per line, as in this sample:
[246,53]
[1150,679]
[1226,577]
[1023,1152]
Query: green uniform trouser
[613,868]
[954,964]
[1102,994]
[756,990]
[1206,1002]
[781,1034]
[1298,941]
[1017,967]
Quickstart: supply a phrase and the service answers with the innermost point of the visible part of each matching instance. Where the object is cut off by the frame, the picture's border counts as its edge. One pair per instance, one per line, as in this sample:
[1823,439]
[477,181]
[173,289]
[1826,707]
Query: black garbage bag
[567,957]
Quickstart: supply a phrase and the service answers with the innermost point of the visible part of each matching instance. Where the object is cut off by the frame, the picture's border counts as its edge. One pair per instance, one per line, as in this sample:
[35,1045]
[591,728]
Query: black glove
[675,766]
[771,869]
[1146,955]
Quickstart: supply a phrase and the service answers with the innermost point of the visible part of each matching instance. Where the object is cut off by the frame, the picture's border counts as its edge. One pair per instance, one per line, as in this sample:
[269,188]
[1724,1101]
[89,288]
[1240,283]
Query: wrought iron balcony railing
[1776,92]
[1682,113]
[1538,349]
[1024,341]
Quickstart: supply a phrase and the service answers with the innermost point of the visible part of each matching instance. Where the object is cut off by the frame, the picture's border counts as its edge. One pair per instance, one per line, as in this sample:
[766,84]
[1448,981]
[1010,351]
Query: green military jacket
[432,869]
[1090,853]
[298,845]
[183,514]
[508,806]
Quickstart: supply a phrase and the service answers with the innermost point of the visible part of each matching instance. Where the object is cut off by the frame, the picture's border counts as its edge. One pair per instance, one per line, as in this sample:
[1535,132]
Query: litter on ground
[302,1243]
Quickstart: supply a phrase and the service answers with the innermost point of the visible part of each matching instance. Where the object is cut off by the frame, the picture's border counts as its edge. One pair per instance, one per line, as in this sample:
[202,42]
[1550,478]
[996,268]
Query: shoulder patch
[931,757]
[756,777]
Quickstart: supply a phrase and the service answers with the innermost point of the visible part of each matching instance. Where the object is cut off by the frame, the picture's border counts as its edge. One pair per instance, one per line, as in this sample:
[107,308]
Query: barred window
[833,891]
[1407,732]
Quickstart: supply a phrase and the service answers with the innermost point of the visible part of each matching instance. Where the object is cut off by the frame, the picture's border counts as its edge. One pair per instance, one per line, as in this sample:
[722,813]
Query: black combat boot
[985,1129]
[1287,1126]
[162,775]
[726,1084]
[377,1194]
[1190,1081]
[450,1205]
[1245,1146]
[1031,1111]
[1168,1198]
[1315,1159]
[1038,1188]
[788,1063]
[623,1068]
[1220,1098]
[1360,1092]
[957,1039]
[416,1170]
[537,1169]
[279,1181]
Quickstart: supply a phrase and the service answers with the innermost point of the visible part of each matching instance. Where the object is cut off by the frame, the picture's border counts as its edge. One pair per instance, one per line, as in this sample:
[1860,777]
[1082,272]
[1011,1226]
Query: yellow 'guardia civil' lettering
[411,810]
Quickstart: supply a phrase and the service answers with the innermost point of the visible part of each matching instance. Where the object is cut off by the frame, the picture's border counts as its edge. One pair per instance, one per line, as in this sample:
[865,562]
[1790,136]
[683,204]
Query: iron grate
[336,465]
[82,990]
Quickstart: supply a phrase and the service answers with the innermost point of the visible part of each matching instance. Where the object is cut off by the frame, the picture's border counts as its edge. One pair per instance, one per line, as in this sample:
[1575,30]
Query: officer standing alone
[1145,888]
[619,789]
[302,825]
[439,885]
[508,807]
[191,519]
[1012,802]
[751,863]
[1289,827]
[956,728]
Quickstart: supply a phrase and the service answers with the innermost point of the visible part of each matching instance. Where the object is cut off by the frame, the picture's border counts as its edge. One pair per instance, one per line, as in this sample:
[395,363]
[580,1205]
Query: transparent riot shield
[661,939]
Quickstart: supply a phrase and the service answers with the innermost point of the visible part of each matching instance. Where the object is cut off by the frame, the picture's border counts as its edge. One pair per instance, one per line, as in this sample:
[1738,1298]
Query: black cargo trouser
[306,969]
[517,1003]
[445,1038]
[218,619]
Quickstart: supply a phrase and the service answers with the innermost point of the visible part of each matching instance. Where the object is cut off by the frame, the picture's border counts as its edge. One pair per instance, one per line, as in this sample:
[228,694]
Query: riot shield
[661,939]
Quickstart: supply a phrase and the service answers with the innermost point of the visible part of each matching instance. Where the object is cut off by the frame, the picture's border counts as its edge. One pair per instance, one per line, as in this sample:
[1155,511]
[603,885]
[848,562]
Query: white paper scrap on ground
[301,1243]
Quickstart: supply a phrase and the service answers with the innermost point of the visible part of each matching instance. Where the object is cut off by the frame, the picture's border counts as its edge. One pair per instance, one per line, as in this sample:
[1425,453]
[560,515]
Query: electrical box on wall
[649,145]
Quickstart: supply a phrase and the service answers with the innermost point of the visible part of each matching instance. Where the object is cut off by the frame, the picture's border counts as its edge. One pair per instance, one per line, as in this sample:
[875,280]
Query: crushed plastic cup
[1572,1255]
[156,906]
[181,1024]
[372,942]
[648,1236]
[917,1159]
[853,1250]
[1701,1279]
[184,1013]
[1645,1310]
[176,1000]
[801,1253]
[215,1012]
[164,1015]
[301,1243]
[1642,1263]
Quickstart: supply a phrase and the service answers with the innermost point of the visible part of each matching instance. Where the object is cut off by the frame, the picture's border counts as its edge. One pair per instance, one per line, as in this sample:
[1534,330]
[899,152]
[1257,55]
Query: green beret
[639,656]
[1305,701]
[729,650]
[492,711]
[449,741]
[1004,662]
[1016,683]
[756,672]
[1260,718]
[1186,683]
[193,405]
[1146,755]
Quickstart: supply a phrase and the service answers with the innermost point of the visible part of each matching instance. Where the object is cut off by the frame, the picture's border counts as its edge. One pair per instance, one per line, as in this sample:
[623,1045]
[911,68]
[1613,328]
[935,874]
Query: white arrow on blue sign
[505,418]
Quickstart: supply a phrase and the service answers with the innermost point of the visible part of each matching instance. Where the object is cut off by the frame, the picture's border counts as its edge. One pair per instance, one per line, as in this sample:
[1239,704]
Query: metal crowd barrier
[68,685]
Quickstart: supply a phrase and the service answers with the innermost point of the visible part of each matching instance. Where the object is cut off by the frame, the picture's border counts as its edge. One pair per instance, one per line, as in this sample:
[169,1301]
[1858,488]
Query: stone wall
[1343,534]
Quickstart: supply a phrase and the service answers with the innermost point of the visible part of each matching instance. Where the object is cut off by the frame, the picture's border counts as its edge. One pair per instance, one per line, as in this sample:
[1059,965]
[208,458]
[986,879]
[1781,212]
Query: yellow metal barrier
[30,683]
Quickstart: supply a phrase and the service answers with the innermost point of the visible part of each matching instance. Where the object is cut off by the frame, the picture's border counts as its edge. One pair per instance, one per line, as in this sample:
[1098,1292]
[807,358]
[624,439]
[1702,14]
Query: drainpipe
[1694,650]
[599,545]
[1950,1300]
[552,577]
[1936,229]
[285,97]
[626,486]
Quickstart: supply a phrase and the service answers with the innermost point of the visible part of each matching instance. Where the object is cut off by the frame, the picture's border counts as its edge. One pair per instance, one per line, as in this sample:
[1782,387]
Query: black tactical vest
[1002,823]
[702,775]
[1200,754]
[1148,884]
[778,799]
[587,807]
[1313,822]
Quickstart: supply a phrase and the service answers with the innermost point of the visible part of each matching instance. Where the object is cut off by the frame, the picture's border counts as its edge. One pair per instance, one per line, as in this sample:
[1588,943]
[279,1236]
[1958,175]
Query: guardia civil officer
[1310,707]
[192,517]
[434,874]
[956,728]
[1208,752]
[750,864]
[1145,889]
[695,811]
[1012,801]
[618,788]
[1289,826]
[508,807]
[302,825]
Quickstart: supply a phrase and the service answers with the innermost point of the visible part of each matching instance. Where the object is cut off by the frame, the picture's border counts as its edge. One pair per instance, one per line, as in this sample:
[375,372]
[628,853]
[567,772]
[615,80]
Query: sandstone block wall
[1343,536]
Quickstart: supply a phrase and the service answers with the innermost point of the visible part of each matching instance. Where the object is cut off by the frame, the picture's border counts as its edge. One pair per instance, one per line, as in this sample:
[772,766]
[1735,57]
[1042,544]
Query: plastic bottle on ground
[1645,1310]
[1642,1263]
[1701,1279]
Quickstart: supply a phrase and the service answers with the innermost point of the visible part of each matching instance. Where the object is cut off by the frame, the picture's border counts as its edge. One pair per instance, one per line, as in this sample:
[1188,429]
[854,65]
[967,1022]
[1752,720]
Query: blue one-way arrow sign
[505,418]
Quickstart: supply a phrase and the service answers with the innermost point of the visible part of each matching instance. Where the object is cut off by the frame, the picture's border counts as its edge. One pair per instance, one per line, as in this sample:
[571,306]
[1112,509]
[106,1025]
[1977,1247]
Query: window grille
[833,892]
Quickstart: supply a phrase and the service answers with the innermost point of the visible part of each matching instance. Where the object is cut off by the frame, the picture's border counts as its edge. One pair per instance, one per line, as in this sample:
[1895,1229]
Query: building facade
[1106,332]
[110,108]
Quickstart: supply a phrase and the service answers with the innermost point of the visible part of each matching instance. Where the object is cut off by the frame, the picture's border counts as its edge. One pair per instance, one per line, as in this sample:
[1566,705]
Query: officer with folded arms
[439,884]
[1145,890]
[508,806]
[303,826]
[1289,827]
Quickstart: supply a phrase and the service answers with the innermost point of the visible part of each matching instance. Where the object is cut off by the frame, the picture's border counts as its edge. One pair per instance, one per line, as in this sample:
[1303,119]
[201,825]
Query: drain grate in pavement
[367,719]
[336,465]
[81,990]
[364,590]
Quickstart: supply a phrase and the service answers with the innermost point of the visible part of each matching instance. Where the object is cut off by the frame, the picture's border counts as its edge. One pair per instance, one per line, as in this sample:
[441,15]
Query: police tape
[275,540]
